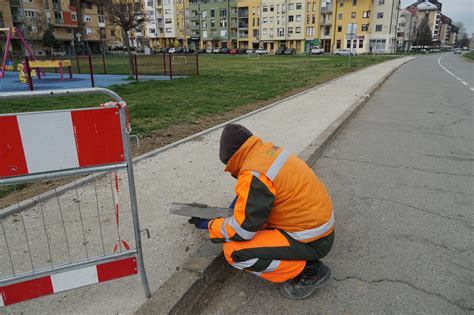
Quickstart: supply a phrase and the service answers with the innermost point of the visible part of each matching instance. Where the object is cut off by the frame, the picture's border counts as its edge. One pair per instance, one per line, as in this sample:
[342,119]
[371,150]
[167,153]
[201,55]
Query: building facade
[406,30]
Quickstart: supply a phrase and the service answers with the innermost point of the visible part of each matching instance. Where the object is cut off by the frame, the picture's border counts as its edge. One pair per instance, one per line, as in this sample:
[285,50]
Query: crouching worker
[283,222]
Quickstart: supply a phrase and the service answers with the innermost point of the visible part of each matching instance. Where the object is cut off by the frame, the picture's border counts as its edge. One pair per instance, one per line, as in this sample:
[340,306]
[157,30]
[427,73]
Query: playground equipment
[11,31]
[22,76]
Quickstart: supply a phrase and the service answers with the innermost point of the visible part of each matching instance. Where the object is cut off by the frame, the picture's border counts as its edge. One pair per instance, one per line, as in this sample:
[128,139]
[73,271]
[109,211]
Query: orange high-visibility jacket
[274,190]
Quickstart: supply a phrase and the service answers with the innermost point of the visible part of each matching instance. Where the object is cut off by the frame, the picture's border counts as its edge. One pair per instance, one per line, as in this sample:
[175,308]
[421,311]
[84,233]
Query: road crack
[407,283]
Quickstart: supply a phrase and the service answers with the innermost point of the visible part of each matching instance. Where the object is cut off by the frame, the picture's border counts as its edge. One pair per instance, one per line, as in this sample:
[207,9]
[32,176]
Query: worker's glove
[199,223]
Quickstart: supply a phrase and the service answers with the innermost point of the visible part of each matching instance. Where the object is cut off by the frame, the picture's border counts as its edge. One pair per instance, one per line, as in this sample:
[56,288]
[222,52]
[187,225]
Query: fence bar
[103,63]
[135,66]
[78,64]
[70,72]
[134,206]
[197,63]
[171,66]
[70,266]
[28,73]
[164,64]
[91,70]
[62,92]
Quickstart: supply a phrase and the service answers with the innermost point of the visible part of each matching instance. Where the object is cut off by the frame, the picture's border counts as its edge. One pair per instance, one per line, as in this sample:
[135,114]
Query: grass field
[469,56]
[226,82]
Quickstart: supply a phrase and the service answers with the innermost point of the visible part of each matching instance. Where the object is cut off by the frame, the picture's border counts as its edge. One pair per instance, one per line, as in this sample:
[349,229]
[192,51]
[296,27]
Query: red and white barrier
[52,141]
[63,281]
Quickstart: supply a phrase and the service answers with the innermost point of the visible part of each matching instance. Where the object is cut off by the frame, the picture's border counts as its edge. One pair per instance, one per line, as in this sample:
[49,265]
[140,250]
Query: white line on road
[453,75]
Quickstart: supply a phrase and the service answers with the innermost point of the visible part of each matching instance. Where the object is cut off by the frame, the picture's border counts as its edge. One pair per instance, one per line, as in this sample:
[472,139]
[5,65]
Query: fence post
[135,66]
[164,64]
[78,64]
[28,73]
[103,63]
[91,70]
[171,66]
[197,63]
[70,72]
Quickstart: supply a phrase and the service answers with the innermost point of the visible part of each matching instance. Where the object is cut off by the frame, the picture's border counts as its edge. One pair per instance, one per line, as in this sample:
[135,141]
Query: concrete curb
[179,294]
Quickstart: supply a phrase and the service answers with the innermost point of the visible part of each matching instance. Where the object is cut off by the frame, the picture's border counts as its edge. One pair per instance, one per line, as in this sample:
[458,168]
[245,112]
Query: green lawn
[225,83]
[469,56]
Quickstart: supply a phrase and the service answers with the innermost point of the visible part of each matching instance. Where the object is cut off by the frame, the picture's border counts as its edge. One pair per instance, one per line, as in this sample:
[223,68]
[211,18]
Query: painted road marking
[453,75]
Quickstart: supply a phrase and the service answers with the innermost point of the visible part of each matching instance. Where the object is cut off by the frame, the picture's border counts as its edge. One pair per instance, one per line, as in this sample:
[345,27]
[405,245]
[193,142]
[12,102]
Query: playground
[21,70]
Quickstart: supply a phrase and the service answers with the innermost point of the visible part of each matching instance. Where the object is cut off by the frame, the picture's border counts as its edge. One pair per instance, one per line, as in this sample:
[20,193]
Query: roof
[427,6]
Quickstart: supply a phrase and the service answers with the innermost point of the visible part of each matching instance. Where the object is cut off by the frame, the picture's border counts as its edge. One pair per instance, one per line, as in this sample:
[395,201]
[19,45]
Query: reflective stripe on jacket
[274,190]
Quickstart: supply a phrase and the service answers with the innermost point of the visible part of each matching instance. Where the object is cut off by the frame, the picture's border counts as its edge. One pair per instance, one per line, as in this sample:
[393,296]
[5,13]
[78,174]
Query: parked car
[188,51]
[202,51]
[280,51]
[250,51]
[164,50]
[223,50]
[242,51]
[345,52]
[290,51]
[317,51]
[209,51]
[261,52]
[216,50]
[465,49]
[457,50]
[172,50]
[234,51]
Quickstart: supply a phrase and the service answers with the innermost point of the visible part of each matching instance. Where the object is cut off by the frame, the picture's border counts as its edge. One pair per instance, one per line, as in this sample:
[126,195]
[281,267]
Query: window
[298,30]
[223,33]
[310,31]
[348,44]
[338,44]
[223,22]
[169,30]
[291,6]
[204,24]
[101,19]
[290,31]
[378,27]
[354,44]
[341,3]
[264,20]
[272,8]
[204,14]
[223,12]
[365,27]
[365,14]
[167,21]
[314,6]
[298,18]
[313,19]
[339,28]
[58,16]
[353,15]
[339,16]
[150,3]
[88,31]
[30,1]
[265,8]
[213,13]
[213,23]
[401,24]
[152,31]
[381,2]
[361,43]
[379,15]
[30,13]
[281,32]
[204,34]
[112,33]
[308,19]
[87,5]
[354,2]
[291,18]
[87,18]
[74,16]
[299,6]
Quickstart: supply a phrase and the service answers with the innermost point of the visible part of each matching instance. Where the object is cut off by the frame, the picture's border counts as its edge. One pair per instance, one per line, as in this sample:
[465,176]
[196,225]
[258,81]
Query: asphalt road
[401,176]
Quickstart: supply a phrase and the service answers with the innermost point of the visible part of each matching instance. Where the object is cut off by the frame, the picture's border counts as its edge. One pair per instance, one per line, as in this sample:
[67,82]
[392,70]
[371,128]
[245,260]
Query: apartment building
[311,25]
[326,27]
[248,24]
[352,25]
[383,26]
[406,30]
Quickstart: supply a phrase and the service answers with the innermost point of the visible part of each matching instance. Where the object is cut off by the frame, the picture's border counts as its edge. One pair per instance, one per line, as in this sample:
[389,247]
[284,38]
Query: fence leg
[197,63]
[61,71]
[78,64]
[164,64]
[171,67]
[28,73]
[103,63]
[70,72]
[135,66]
[91,70]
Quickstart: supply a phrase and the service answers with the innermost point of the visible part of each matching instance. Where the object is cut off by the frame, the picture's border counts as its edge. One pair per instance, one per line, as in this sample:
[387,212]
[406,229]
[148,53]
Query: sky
[457,10]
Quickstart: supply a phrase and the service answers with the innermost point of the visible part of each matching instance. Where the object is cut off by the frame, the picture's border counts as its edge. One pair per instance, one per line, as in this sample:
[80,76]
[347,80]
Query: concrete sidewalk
[191,171]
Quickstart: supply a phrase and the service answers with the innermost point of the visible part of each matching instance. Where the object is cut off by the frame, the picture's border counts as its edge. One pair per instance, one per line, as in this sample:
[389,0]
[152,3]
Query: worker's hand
[199,223]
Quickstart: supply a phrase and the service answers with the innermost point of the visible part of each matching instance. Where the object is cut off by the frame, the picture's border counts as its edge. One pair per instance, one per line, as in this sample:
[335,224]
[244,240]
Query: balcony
[57,6]
[15,3]
[243,26]
[327,9]
[325,22]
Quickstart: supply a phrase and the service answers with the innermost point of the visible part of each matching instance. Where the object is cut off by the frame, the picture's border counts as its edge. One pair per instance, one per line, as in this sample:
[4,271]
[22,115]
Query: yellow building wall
[341,24]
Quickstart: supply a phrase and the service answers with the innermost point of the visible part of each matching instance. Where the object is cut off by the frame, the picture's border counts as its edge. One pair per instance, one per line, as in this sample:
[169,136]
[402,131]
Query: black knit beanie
[232,138]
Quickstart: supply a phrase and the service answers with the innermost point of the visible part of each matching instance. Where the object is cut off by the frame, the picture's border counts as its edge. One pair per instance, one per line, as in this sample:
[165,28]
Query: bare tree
[34,27]
[128,15]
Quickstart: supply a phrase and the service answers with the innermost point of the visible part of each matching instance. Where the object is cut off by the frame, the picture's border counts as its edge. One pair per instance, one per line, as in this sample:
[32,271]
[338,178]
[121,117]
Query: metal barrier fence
[75,237]
[89,70]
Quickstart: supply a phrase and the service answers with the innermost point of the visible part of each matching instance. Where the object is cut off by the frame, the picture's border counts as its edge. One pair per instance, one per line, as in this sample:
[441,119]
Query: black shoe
[304,285]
